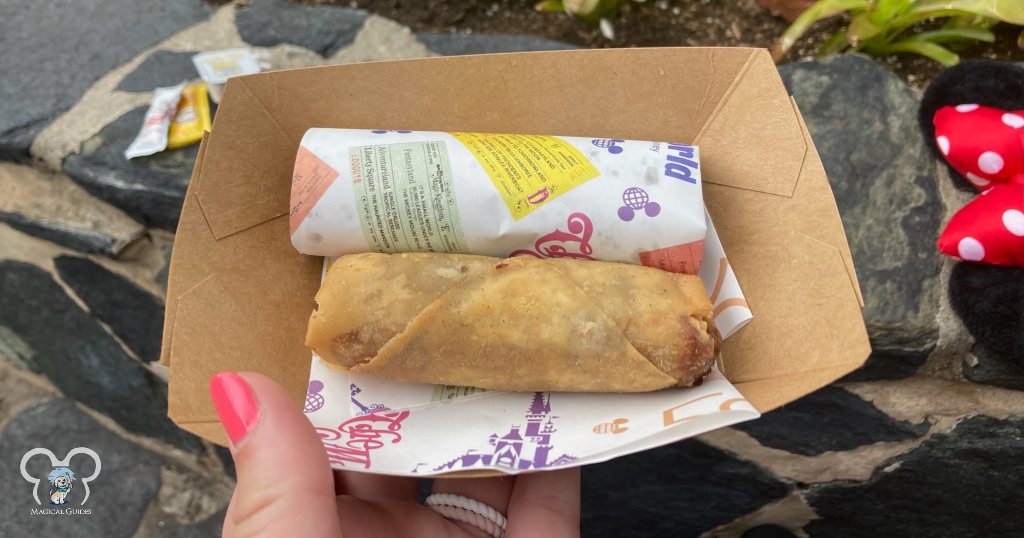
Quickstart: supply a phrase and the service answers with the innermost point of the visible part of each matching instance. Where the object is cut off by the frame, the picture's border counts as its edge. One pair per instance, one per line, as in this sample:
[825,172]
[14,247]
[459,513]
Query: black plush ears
[984,82]
[989,300]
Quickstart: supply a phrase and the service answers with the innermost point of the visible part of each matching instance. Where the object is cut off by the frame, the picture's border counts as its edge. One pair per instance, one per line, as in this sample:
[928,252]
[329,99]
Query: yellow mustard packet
[192,118]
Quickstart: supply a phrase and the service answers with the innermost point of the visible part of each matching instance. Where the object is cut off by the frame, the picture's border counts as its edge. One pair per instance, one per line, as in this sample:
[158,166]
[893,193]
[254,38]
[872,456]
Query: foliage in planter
[881,27]
[788,9]
[589,11]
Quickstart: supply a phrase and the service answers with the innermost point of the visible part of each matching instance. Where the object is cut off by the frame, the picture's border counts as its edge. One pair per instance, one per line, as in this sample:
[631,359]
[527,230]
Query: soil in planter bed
[654,23]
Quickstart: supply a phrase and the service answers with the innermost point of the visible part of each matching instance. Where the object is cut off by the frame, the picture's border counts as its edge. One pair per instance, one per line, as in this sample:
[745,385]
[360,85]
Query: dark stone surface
[994,370]
[163,68]
[52,207]
[890,365]
[65,344]
[226,461]
[323,29]
[864,123]
[82,240]
[830,419]
[53,51]
[768,531]
[682,489]
[151,189]
[456,44]
[211,526]
[161,276]
[134,314]
[129,475]
[965,483]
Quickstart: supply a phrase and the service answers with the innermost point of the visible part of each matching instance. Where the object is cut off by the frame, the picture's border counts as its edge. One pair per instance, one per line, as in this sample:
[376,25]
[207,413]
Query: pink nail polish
[236,405]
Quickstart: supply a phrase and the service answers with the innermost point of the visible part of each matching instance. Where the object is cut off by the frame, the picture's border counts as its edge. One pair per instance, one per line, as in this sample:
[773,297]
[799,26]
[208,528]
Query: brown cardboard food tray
[239,295]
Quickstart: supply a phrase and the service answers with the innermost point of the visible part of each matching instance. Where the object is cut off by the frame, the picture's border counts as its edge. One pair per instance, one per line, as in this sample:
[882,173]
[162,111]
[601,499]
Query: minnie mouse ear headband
[986,146]
[986,298]
[984,143]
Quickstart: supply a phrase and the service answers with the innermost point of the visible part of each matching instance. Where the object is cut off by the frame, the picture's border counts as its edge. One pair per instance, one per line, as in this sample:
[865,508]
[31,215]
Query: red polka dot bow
[986,145]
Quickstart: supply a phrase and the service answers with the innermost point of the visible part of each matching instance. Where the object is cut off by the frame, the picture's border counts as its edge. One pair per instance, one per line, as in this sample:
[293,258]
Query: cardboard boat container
[239,295]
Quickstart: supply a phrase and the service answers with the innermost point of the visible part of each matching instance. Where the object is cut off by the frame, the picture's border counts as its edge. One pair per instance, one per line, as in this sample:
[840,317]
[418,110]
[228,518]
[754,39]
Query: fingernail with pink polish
[236,404]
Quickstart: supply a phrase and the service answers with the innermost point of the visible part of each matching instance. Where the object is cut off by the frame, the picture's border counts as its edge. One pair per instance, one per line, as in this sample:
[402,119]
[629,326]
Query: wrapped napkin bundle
[518,324]
[498,195]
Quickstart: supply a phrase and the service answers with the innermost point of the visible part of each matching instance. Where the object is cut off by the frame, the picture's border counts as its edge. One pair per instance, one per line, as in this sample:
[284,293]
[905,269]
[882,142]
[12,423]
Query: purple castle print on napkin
[364,409]
[518,449]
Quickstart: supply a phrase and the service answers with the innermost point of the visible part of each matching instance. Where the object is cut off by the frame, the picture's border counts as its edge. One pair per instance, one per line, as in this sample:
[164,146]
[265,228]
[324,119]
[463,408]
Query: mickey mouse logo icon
[608,144]
[314,400]
[637,199]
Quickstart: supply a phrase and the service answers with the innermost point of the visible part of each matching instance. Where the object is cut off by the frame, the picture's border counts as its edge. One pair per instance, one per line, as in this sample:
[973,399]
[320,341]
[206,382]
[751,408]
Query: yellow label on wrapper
[528,171]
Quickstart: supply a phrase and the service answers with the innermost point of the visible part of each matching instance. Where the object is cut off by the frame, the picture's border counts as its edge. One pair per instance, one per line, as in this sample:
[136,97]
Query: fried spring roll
[518,324]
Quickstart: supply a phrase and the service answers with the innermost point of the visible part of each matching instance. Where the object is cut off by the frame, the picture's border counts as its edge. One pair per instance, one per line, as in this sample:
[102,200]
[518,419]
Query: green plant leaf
[552,6]
[1011,11]
[863,27]
[835,44]
[880,26]
[885,10]
[971,20]
[592,11]
[961,34]
[549,5]
[876,19]
[823,9]
[936,52]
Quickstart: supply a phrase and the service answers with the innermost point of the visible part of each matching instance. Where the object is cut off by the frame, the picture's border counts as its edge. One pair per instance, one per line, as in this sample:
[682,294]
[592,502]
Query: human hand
[286,486]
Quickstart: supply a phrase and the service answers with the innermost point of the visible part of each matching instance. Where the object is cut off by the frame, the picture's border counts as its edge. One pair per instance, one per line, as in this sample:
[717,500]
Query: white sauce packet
[152,137]
[215,67]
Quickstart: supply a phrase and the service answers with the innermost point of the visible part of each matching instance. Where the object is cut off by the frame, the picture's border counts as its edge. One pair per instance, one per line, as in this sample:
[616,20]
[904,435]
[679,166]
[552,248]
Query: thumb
[285,485]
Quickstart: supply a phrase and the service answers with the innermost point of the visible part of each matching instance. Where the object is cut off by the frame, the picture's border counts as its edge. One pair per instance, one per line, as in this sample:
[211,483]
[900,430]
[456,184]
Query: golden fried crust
[518,324]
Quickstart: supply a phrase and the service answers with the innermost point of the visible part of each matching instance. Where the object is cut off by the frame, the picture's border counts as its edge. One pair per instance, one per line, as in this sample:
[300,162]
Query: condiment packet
[192,118]
[215,67]
[152,138]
